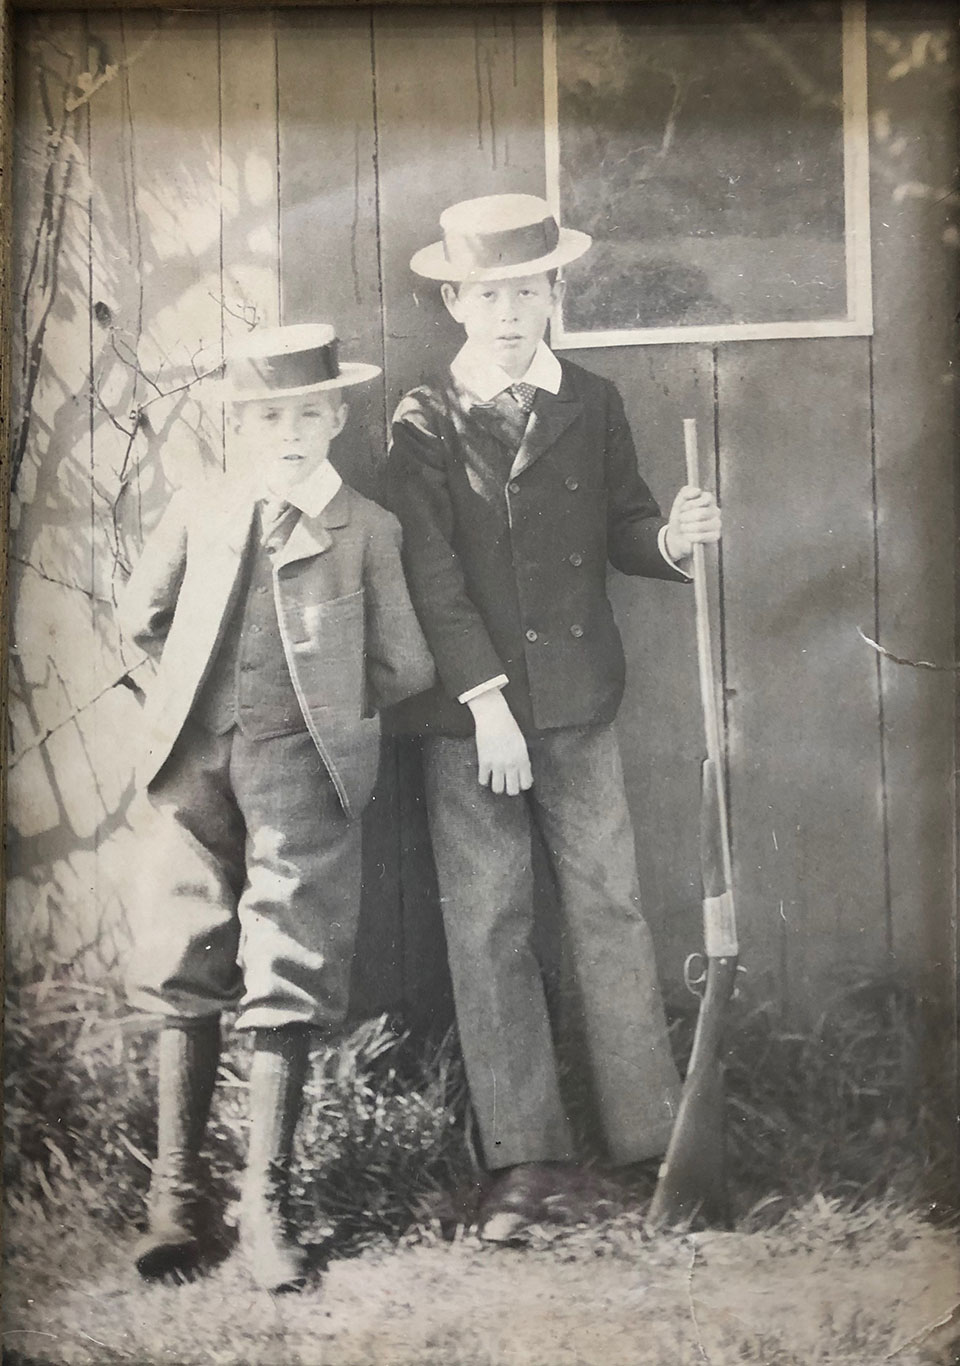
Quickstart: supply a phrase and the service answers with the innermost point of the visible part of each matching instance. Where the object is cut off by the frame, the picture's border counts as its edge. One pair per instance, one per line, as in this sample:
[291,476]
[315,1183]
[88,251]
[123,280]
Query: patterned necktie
[273,514]
[524,394]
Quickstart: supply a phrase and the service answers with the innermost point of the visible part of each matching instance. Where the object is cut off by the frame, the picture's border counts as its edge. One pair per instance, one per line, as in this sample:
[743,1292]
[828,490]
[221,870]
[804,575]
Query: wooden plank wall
[915,472]
[309,154]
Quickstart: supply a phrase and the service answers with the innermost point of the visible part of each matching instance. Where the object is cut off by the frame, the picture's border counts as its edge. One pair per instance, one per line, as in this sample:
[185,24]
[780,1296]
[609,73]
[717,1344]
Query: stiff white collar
[313,494]
[484,379]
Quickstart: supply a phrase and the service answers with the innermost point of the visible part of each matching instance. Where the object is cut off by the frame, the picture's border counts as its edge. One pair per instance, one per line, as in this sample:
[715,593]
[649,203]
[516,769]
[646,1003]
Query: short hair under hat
[496,237]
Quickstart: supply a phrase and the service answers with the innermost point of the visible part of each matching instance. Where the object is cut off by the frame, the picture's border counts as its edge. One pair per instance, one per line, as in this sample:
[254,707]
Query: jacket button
[531,635]
[513,486]
[576,631]
[576,559]
[571,483]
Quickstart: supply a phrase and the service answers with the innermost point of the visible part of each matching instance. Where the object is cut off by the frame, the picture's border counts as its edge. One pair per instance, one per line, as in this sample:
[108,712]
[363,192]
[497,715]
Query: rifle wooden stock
[692,1177]
[692,1180]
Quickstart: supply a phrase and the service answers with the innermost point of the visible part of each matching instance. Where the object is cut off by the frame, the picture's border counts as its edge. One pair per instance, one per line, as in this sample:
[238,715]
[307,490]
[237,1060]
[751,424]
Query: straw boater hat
[285,362]
[496,237]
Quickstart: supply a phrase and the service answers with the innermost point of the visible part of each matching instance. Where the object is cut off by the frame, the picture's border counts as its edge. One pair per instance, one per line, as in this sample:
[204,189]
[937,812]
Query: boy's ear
[451,297]
[340,416]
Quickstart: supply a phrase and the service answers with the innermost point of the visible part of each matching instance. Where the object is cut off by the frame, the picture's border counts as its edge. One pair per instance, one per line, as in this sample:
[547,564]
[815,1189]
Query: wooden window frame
[858,318]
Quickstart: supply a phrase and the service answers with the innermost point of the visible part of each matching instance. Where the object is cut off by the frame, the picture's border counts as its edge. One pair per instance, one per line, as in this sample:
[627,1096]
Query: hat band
[510,247]
[291,370]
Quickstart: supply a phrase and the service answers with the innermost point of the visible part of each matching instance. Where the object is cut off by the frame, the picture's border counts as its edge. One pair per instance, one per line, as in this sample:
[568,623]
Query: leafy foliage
[381,1133]
[78,1099]
[855,1109]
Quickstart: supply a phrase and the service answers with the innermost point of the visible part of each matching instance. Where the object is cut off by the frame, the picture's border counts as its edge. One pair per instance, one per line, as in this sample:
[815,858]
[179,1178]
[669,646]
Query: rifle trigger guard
[695,973]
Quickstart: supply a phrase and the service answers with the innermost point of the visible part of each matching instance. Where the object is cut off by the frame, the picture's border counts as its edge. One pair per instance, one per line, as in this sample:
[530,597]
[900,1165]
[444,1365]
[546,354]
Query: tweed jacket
[350,636]
[506,554]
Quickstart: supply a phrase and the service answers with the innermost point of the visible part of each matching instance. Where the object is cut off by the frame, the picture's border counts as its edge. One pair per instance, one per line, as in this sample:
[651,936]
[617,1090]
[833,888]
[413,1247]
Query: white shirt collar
[314,493]
[484,379]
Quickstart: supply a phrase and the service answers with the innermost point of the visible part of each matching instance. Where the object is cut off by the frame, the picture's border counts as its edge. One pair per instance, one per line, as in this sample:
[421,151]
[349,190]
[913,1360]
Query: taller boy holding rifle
[515,479]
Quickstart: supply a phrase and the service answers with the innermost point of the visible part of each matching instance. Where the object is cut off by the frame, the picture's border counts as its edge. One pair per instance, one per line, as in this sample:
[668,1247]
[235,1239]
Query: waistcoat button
[576,631]
[576,559]
[531,635]
[513,486]
[571,483]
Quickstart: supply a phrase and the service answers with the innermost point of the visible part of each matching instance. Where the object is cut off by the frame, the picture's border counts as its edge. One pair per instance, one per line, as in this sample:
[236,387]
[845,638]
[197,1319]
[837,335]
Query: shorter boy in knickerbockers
[278,614]
[515,479]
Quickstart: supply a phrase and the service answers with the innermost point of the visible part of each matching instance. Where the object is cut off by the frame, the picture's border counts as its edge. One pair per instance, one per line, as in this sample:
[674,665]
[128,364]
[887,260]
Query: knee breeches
[249,887]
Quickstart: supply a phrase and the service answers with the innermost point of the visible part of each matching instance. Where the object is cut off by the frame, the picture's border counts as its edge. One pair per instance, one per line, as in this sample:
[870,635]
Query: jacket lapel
[311,535]
[219,536]
[227,537]
[551,416]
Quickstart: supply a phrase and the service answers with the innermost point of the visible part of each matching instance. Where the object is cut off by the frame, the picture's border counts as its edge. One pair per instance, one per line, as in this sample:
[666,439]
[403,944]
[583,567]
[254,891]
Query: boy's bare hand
[694,520]
[503,761]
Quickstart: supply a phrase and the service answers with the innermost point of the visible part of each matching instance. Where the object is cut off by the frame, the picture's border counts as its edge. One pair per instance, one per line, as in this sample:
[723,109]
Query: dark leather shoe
[515,1201]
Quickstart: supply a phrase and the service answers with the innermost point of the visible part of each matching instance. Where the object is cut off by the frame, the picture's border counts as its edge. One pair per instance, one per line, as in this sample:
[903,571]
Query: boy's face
[285,440]
[505,318]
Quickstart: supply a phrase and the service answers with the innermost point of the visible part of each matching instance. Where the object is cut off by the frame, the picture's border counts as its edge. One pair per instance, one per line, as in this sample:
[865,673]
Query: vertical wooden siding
[914,393]
[303,158]
[798,580]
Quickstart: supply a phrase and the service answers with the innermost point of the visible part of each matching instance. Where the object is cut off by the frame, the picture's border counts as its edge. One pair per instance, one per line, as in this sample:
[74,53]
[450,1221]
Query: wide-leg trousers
[482,847]
[249,888]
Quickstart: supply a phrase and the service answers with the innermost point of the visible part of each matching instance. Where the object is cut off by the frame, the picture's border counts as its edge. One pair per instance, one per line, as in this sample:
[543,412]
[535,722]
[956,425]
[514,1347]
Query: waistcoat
[249,684]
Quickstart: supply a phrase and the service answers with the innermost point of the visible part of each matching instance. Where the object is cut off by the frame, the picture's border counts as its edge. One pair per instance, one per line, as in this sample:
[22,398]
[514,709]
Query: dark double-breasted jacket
[506,552]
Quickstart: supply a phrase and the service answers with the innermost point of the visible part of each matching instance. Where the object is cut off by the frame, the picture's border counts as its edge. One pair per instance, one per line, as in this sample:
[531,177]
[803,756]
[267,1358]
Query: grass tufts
[853,1109]
[856,1108]
[380,1138]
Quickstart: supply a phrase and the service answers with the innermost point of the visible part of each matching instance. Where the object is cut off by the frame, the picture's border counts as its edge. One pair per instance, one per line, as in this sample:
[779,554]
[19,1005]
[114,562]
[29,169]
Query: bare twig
[182,388]
[119,682]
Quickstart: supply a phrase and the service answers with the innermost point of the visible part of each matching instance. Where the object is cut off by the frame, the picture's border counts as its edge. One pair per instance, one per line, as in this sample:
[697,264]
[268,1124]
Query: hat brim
[351,372]
[432,263]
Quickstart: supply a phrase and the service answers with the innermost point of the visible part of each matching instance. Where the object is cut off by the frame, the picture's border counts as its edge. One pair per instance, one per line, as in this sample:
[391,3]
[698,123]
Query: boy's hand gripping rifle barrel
[692,1179]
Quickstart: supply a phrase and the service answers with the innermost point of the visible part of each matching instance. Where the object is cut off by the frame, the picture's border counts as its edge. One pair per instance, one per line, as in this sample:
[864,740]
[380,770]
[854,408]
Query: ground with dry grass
[828,1285]
[841,1175]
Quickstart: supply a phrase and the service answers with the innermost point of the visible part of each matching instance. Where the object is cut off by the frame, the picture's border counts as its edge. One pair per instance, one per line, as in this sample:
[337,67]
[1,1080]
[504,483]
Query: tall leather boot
[189,1052]
[277,1074]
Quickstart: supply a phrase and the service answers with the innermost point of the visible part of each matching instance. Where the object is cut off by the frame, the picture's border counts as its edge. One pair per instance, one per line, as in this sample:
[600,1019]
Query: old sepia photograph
[480,858]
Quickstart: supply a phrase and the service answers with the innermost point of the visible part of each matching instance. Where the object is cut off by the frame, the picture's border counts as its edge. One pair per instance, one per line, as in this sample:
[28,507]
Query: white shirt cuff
[481,688]
[662,544]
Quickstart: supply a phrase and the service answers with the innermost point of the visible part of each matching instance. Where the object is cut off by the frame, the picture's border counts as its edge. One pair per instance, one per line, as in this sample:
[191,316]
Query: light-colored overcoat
[350,635]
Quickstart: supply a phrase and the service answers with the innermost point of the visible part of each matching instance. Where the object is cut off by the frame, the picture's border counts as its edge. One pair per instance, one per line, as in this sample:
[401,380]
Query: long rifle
[692,1177]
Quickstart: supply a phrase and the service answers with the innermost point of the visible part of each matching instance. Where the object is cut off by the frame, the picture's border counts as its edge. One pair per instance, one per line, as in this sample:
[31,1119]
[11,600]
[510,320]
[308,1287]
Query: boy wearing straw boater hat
[515,479]
[280,621]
